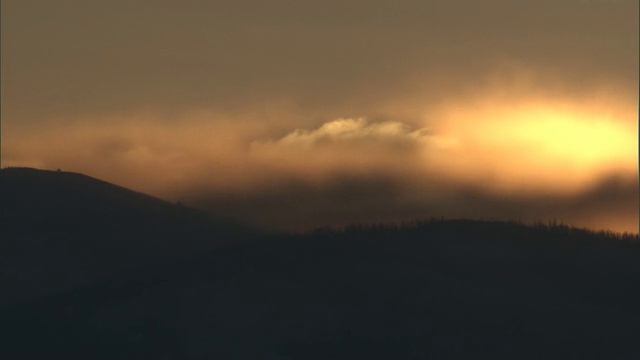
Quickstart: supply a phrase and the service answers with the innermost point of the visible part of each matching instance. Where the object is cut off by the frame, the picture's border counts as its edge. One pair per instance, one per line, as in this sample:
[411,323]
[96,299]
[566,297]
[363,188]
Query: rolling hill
[60,229]
[438,289]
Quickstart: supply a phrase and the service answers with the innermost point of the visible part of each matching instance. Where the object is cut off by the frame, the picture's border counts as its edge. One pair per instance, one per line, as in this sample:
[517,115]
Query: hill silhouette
[436,289]
[53,199]
[60,229]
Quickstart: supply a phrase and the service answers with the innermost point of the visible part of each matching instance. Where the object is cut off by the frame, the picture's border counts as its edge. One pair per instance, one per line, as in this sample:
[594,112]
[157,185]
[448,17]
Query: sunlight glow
[550,147]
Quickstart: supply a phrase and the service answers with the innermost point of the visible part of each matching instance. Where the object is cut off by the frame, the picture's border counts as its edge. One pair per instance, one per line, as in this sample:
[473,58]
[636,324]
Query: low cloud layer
[524,159]
[343,147]
[297,205]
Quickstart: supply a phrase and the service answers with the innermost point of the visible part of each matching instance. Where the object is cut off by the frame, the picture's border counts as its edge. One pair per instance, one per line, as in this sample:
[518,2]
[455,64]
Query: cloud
[335,58]
[529,161]
[302,205]
[343,146]
[525,157]
[352,131]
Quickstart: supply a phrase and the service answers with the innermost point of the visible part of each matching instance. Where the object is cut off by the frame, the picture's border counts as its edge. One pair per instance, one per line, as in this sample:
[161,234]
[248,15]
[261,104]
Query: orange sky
[293,116]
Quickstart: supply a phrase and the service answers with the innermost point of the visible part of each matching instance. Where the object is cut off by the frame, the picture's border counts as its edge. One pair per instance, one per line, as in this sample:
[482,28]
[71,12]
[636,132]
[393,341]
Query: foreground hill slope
[59,229]
[429,290]
[56,200]
[437,290]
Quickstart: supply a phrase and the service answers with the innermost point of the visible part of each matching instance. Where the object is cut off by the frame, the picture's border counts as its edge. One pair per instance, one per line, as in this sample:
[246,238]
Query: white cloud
[344,146]
[346,130]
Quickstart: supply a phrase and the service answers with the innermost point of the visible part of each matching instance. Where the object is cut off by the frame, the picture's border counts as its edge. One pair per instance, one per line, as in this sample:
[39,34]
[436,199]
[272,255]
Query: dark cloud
[299,205]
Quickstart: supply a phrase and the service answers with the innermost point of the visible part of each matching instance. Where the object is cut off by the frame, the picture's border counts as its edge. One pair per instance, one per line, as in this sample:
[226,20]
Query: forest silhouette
[91,270]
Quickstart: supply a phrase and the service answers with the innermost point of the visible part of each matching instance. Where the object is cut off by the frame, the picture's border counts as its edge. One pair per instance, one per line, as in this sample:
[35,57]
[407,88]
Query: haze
[293,115]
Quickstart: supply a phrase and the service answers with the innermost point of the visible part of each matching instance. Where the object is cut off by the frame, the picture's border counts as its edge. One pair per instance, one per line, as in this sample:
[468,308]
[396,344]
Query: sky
[298,114]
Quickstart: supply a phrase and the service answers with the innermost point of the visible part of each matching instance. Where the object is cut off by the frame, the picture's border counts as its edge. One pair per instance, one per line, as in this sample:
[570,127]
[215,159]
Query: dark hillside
[56,200]
[444,290]
[436,289]
[59,229]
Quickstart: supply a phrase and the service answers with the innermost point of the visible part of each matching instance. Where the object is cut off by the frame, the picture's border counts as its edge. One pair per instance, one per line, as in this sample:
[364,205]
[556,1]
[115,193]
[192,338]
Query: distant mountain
[94,271]
[59,229]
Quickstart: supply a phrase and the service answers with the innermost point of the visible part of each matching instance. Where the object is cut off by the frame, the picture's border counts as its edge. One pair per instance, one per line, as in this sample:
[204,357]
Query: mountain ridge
[69,191]
[61,229]
[177,286]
